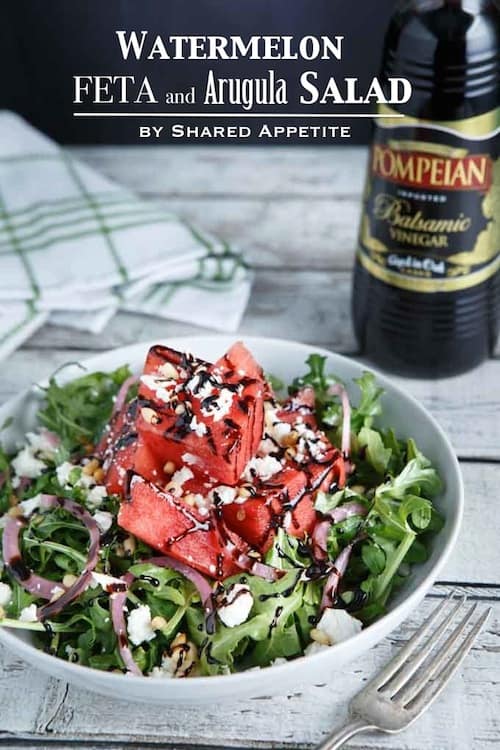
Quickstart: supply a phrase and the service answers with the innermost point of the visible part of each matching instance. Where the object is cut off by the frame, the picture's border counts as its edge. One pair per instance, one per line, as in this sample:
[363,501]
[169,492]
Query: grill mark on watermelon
[309,488]
[243,405]
[231,423]
[210,440]
[125,440]
[209,402]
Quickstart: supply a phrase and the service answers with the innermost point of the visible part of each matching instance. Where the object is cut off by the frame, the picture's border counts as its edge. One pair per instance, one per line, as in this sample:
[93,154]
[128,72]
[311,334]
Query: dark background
[43,43]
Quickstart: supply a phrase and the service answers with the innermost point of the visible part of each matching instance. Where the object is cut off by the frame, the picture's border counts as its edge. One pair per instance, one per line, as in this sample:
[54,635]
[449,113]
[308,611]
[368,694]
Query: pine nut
[149,415]
[129,545]
[91,467]
[320,637]
[169,467]
[158,623]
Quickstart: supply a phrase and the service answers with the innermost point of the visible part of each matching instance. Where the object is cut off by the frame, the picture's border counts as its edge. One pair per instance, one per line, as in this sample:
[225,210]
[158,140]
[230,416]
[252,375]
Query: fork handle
[337,739]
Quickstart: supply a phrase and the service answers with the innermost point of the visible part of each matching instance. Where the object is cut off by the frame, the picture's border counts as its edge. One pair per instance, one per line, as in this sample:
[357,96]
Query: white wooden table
[295,213]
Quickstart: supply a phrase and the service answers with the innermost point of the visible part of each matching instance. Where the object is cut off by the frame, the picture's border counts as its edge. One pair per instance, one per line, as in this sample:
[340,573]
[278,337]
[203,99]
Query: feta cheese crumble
[69,476]
[28,614]
[26,464]
[199,428]
[104,520]
[235,605]
[178,479]
[96,495]
[223,494]
[161,386]
[29,506]
[335,626]
[107,583]
[264,468]
[139,625]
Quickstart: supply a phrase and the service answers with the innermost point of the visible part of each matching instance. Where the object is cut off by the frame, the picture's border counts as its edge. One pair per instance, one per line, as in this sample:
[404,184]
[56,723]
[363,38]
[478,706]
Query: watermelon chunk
[117,448]
[173,527]
[208,415]
[287,500]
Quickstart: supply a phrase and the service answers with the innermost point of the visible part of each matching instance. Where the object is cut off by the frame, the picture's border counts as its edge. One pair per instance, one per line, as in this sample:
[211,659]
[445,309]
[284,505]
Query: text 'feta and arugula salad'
[195,521]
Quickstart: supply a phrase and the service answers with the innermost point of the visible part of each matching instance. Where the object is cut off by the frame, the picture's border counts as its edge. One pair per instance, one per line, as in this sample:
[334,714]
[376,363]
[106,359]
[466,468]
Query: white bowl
[286,360]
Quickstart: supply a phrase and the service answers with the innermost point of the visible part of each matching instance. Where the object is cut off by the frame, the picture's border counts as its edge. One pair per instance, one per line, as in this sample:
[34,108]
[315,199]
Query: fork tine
[432,689]
[413,687]
[399,680]
[397,662]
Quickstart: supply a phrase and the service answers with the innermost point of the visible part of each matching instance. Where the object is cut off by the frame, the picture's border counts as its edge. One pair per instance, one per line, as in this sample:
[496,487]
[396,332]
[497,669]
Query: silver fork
[407,686]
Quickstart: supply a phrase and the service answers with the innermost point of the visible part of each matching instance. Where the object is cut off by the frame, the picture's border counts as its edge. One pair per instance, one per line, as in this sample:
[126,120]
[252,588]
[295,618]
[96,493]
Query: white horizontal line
[231,115]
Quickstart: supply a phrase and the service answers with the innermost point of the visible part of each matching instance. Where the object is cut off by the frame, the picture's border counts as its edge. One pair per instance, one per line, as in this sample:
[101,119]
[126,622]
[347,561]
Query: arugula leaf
[78,411]
[375,452]
[369,406]
[270,632]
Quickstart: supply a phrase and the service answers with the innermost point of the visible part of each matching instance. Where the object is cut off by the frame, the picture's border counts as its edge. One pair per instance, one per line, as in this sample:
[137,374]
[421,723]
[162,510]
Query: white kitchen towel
[77,246]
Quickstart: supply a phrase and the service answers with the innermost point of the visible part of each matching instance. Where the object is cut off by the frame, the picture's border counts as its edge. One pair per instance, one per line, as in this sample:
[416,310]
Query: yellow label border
[429,286]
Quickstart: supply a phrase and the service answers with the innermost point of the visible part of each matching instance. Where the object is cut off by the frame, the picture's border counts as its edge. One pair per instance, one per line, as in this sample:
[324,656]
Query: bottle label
[431,212]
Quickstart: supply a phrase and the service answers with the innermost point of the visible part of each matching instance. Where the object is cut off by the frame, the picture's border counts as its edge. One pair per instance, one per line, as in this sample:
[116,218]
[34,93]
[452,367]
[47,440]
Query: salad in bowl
[202,518]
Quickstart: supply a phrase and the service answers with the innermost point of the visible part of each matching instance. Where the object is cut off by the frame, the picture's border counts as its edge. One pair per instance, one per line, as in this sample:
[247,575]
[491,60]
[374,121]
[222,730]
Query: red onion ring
[79,512]
[122,393]
[339,390]
[197,579]
[258,568]
[243,560]
[34,584]
[29,580]
[347,510]
[319,539]
[333,580]
[117,606]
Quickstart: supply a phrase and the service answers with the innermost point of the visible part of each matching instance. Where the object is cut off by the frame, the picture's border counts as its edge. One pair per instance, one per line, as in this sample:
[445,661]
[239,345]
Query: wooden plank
[465,717]
[309,306]
[306,306]
[225,171]
[299,207]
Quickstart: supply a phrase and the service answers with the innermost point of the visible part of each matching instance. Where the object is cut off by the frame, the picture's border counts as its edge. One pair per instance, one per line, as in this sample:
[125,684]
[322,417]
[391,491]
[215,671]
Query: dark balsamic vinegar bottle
[427,280]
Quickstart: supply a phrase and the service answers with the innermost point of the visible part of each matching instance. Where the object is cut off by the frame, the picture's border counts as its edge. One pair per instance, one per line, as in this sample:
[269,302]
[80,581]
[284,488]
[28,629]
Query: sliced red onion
[339,390]
[197,579]
[242,559]
[258,568]
[117,606]
[28,580]
[24,483]
[354,508]
[333,580]
[36,585]
[319,539]
[122,393]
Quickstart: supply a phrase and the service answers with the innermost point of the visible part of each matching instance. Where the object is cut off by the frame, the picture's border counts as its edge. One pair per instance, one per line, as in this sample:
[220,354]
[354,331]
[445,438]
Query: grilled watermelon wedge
[173,527]
[208,415]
